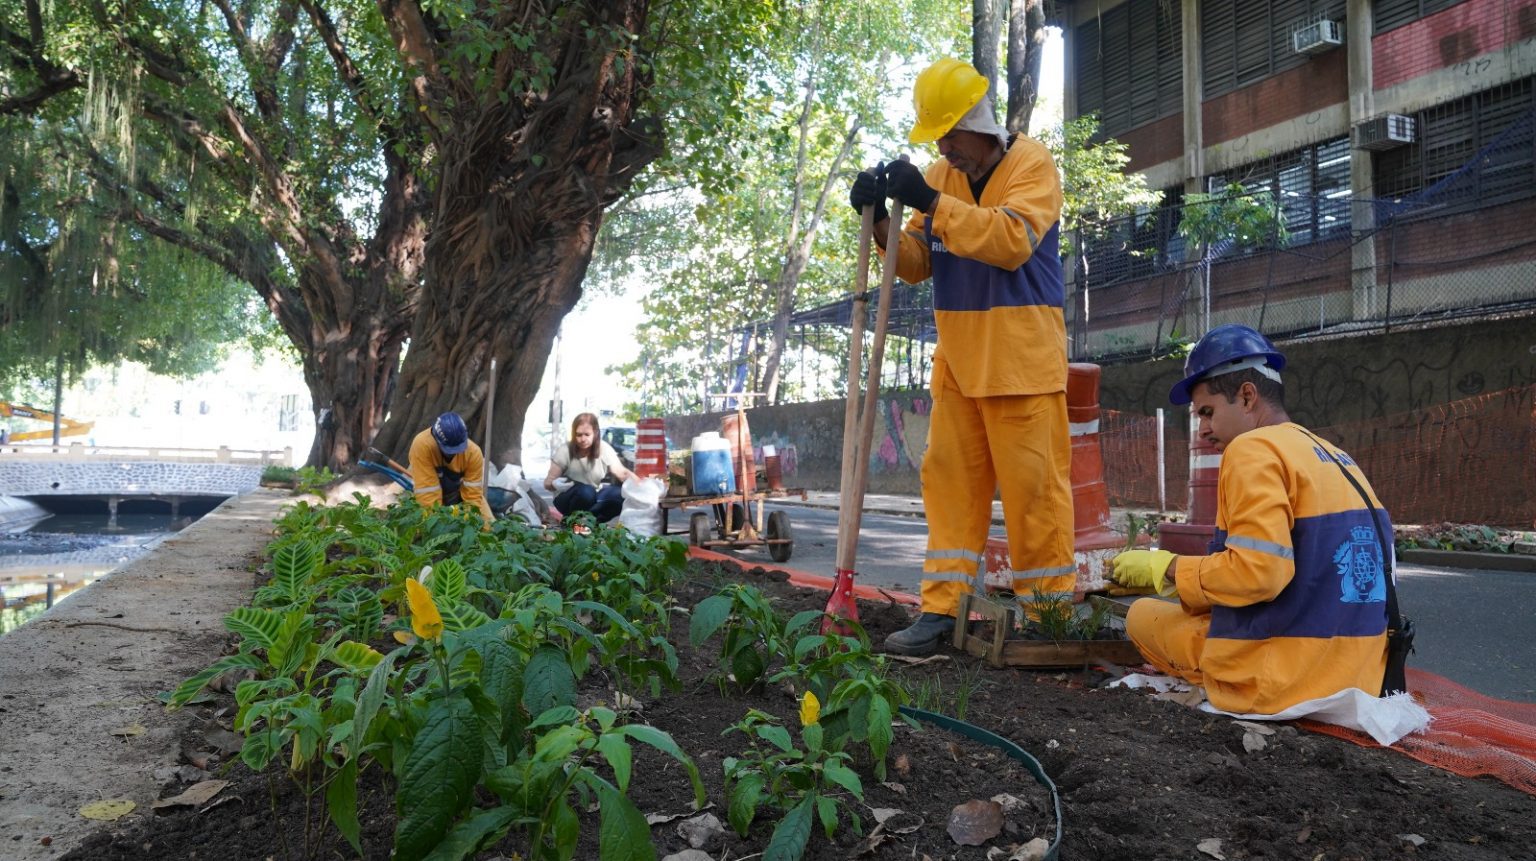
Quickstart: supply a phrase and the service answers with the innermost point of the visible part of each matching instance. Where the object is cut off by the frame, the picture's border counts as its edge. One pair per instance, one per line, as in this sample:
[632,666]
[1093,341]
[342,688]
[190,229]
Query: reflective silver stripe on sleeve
[431,488]
[1034,241]
[1034,573]
[950,577]
[473,484]
[967,555]
[1261,546]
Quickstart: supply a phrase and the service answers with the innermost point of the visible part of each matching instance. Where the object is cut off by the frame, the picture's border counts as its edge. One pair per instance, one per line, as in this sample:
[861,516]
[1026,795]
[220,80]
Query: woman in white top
[585,461]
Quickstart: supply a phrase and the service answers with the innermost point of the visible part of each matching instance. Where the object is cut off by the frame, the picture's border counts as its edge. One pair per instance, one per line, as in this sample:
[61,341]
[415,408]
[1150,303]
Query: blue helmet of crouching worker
[1224,350]
[451,435]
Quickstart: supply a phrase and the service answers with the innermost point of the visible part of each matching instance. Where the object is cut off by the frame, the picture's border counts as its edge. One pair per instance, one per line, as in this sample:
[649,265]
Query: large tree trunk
[1026,44]
[520,198]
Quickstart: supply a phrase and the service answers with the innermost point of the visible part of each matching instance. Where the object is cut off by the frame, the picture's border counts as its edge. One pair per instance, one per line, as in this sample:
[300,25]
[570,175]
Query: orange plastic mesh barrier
[1471,735]
[1433,465]
[1129,444]
[1467,461]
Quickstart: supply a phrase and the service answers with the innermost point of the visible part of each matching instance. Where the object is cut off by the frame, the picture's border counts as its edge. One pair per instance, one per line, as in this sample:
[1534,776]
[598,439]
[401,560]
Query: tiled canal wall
[127,478]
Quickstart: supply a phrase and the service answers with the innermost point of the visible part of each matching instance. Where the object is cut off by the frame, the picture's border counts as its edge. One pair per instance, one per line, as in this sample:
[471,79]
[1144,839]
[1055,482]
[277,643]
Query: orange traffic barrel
[1090,495]
[651,447]
[1193,537]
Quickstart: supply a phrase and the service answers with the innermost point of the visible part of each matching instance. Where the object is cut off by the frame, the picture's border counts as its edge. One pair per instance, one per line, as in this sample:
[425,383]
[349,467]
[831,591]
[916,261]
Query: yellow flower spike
[425,620]
[810,709]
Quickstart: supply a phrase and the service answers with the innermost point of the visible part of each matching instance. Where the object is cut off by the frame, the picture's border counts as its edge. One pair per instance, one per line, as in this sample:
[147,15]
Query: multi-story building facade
[1393,140]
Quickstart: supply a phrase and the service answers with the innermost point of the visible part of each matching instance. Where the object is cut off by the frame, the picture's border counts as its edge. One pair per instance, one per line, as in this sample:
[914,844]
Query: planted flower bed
[560,695]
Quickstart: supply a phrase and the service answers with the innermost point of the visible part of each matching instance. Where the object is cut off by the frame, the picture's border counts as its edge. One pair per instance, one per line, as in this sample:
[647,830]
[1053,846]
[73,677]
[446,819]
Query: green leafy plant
[753,632]
[1055,618]
[1247,219]
[808,785]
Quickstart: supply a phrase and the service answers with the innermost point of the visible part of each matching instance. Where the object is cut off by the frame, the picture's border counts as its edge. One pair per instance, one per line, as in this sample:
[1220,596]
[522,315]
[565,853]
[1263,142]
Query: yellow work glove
[1143,568]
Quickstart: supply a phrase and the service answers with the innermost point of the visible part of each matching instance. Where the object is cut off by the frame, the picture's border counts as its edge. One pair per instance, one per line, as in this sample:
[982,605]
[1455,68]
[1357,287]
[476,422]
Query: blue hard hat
[1223,350]
[451,435]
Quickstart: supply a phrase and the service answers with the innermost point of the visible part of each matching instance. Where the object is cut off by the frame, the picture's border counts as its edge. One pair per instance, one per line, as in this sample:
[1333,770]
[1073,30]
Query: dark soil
[1139,778]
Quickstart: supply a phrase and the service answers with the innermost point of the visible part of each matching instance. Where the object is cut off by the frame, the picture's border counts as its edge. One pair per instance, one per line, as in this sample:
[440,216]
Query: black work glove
[869,189]
[906,184]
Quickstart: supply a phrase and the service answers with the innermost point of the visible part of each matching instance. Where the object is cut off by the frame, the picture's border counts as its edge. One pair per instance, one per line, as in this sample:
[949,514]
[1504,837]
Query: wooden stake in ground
[858,430]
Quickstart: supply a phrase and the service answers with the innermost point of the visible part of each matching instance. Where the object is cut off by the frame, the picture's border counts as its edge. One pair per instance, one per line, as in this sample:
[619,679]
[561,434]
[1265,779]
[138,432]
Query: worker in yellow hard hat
[984,224]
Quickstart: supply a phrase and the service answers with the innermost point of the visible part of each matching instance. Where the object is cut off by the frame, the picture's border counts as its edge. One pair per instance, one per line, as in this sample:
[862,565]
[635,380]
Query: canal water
[49,560]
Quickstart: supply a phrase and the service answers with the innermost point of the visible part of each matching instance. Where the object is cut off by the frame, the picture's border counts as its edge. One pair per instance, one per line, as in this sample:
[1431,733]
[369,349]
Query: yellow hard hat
[943,93]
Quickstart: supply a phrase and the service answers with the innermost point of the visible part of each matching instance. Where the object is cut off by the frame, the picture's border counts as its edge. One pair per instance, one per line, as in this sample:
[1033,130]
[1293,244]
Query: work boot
[921,637]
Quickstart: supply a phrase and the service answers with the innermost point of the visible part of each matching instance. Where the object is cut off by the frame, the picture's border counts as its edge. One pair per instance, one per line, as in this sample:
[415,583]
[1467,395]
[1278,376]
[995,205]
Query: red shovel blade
[841,605]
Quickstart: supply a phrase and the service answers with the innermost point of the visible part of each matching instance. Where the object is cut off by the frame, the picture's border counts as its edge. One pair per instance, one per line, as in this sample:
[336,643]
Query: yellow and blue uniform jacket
[1296,584]
[997,279]
[425,461]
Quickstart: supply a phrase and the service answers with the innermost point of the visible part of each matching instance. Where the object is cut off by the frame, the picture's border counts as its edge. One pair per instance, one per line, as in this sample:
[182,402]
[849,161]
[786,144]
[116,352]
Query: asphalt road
[1477,628]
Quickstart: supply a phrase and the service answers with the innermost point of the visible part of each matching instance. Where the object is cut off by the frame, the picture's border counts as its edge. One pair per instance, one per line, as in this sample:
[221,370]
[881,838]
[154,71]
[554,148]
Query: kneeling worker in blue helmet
[985,222]
[448,469]
[1291,604]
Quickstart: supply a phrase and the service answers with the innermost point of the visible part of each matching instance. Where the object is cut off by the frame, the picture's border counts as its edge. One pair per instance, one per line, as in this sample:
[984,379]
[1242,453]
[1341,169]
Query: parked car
[622,438]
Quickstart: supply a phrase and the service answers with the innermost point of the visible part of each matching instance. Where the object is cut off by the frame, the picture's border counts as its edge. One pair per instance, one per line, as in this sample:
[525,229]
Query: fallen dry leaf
[902,764]
[1191,697]
[883,813]
[663,818]
[110,810]
[1211,846]
[1304,835]
[1412,838]
[1034,850]
[701,831]
[1254,742]
[196,795]
[975,822]
[1255,726]
[224,740]
[898,788]
[1012,804]
[129,730]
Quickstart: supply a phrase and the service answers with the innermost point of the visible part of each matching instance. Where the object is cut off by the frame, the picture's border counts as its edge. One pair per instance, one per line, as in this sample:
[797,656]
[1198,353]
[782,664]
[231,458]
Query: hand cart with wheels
[734,518]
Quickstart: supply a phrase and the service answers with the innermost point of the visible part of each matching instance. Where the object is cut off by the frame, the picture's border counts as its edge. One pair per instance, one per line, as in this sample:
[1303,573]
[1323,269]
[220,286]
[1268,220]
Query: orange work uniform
[999,418]
[1291,604]
[429,469]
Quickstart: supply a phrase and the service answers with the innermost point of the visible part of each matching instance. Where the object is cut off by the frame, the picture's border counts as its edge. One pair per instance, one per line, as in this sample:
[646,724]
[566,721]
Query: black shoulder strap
[1394,618]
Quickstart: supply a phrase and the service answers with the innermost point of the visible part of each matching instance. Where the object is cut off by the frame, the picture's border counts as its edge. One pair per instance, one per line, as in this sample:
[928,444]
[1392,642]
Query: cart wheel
[778,527]
[738,516]
[698,528]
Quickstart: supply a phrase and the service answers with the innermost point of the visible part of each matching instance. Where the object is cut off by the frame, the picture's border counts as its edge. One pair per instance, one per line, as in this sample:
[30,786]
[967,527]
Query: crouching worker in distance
[1292,603]
[583,463]
[448,469]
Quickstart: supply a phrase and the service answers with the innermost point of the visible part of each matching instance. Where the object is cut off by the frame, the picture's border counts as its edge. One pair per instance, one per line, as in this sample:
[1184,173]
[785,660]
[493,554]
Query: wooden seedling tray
[999,651]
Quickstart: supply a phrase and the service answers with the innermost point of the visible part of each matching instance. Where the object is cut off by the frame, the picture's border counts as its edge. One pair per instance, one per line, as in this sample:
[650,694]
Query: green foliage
[808,785]
[1096,189]
[1471,537]
[1056,618]
[931,695]
[489,706]
[1247,219]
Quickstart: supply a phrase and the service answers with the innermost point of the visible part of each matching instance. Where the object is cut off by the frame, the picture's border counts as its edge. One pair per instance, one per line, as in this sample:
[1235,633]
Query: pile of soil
[1138,777]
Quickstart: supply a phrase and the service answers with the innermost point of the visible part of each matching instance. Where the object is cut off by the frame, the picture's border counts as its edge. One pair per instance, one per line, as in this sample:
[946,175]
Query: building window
[1474,152]
[1391,14]
[1246,41]
[1129,65]
[1311,186]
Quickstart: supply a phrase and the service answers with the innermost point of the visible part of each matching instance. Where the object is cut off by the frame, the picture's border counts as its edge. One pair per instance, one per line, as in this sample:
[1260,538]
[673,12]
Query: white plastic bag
[507,478]
[641,513]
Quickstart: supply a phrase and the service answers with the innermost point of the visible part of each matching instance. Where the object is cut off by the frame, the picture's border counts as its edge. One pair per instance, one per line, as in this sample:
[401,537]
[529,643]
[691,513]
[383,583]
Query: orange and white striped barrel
[1094,542]
[650,447]
[1193,537]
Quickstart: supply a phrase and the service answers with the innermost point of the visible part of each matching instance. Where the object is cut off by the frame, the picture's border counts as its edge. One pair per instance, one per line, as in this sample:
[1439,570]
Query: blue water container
[712,464]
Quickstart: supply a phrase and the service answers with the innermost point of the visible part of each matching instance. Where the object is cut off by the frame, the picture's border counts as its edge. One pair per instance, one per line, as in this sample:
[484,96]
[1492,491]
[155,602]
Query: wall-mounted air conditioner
[1384,132]
[1316,37]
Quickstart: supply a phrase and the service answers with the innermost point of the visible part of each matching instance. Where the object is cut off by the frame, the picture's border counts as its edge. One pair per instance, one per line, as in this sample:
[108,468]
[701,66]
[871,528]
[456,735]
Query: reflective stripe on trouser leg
[958,486]
[1169,638]
[1031,451]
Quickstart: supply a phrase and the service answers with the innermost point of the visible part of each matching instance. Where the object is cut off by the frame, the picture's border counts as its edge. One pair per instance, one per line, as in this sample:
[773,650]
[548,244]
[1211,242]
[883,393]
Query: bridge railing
[82,453]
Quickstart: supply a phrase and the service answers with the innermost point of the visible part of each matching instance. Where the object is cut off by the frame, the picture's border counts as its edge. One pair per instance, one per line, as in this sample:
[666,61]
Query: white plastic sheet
[1385,719]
